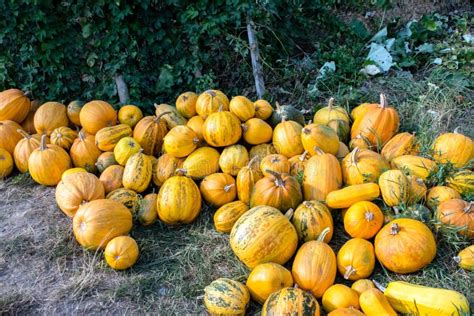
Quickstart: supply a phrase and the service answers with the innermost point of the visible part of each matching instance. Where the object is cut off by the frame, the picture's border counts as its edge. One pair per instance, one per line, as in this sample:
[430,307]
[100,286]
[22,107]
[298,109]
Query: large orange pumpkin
[458,214]
[149,132]
[267,278]
[96,115]
[218,189]
[453,147]
[310,219]
[287,139]
[111,178]
[222,129]
[50,116]
[210,101]
[23,150]
[356,259]
[6,163]
[9,135]
[84,152]
[322,175]
[363,220]
[14,105]
[362,166]
[314,136]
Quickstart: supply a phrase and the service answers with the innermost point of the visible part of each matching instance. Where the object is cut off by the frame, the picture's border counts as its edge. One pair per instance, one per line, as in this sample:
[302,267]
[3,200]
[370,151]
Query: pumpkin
[274,238]
[267,278]
[222,129]
[218,189]
[226,216]
[462,181]
[342,152]
[275,163]
[147,213]
[6,163]
[180,141]
[68,172]
[201,163]
[107,137]
[340,295]
[256,131]
[281,191]
[125,148]
[23,150]
[242,107]
[121,252]
[246,179]
[149,132]
[454,148]
[172,116]
[196,123]
[352,194]
[374,303]
[9,135]
[416,190]
[126,197]
[322,175]
[439,194]
[179,201]
[263,109]
[111,178]
[344,311]
[99,221]
[310,219]
[63,137]
[286,112]
[73,111]
[50,116]
[28,123]
[405,245]
[362,285]
[356,259]
[233,158]
[363,220]
[47,163]
[106,159]
[130,115]
[226,297]
[137,173]
[394,187]
[400,145]
[210,101]
[360,141]
[76,189]
[314,267]
[186,104]
[316,136]
[96,115]
[14,105]
[297,163]
[324,115]
[458,214]
[261,151]
[287,139]
[362,166]
[165,167]
[416,166]
[341,128]
[465,258]
[291,301]
[378,124]
[84,152]
[359,110]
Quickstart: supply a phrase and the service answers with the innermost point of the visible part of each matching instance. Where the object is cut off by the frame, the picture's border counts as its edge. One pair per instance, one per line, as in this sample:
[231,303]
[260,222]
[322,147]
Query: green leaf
[86,31]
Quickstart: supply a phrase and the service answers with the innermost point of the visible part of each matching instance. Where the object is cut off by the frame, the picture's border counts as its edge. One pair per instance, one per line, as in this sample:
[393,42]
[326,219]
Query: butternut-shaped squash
[352,194]
[374,303]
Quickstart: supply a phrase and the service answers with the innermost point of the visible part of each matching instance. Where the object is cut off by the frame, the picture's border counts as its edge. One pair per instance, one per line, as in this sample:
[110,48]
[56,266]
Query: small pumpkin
[14,105]
[63,137]
[340,296]
[9,135]
[130,115]
[226,216]
[172,116]
[286,112]
[324,115]
[291,301]
[242,107]
[458,214]
[322,175]
[222,129]
[68,172]
[137,173]
[106,159]
[316,136]
[226,297]
[111,178]
[297,163]
[23,150]
[201,163]
[363,165]
[218,189]
[356,259]
[363,220]
[126,197]
[263,109]
[453,147]
[246,179]
[125,148]
[416,190]
[180,141]
[6,163]
[275,163]
[352,194]
[84,152]
[374,303]
[165,168]
[121,252]
[196,123]
[107,137]
[96,115]
[394,187]
[261,151]
[186,104]
[256,131]
[147,213]
[267,278]
[362,285]
[73,111]
[416,166]
[310,219]
[149,132]
[400,145]
[465,258]
[210,101]
[463,182]
[233,158]
[287,139]
[439,194]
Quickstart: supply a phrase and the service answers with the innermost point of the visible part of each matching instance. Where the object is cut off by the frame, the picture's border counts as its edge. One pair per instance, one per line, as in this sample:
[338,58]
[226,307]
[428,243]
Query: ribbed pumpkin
[77,189]
[416,190]
[107,137]
[73,111]
[263,109]
[352,194]
[137,173]
[314,267]
[180,141]
[201,163]
[6,163]
[126,197]
[186,104]
[285,112]
[458,214]
[400,145]
[340,296]
[363,220]
[165,168]
[261,151]
[256,131]
[310,219]
[291,301]
[96,115]
[99,221]
[242,107]
[210,101]
[125,148]
[246,179]
[28,123]
[356,259]
[233,158]
[281,191]
[226,216]
[297,163]
[50,116]
[14,105]
[68,172]
[47,163]
[416,166]
[322,175]
[179,201]
[275,163]
[346,311]
[359,110]
[314,136]
[149,132]
[63,137]
[362,166]
[362,285]
[453,147]
[394,187]
[130,115]
[9,135]
[465,258]
[84,152]
[438,194]
[405,245]
[147,213]
[121,252]
[378,124]
[106,159]
[111,178]
[226,297]
[287,139]
[267,278]
[218,189]
[324,115]
[196,123]
[462,181]
[23,150]
[172,116]
[222,129]
[374,303]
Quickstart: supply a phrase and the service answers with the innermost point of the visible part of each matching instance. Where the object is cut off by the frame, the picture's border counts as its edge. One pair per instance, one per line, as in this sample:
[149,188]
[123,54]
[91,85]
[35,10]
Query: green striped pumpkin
[291,301]
[226,297]
[127,197]
[107,137]
[137,173]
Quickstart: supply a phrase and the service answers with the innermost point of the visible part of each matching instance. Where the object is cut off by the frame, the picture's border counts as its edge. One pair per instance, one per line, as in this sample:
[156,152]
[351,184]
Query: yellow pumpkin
[50,116]
[438,194]
[458,214]
[226,216]
[291,301]
[111,178]
[400,145]
[84,152]
[218,189]
[147,213]
[121,252]
[462,181]
[287,139]
[310,219]
[106,159]
[362,166]
[210,101]
[352,194]
[73,111]
[256,131]
[149,132]
[242,107]
[226,297]
[130,115]
[125,148]
[107,138]
[374,303]
[186,104]
[453,147]
[14,105]
[362,285]
[346,311]
[324,115]
[23,150]
[340,296]
[362,142]
[201,163]
[233,158]
[137,173]
[274,163]
[359,110]
[222,129]
[341,128]
[28,123]
[416,166]
[126,197]
[180,141]
[170,114]
[465,258]
[263,109]
[196,123]
[96,115]
[261,151]
[246,179]
[267,278]
[342,152]
[6,163]
[165,167]
[68,172]
[63,137]
[322,175]
[363,220]
[297,163]
[394,187]
[316,136]
[416,190]
[356,259]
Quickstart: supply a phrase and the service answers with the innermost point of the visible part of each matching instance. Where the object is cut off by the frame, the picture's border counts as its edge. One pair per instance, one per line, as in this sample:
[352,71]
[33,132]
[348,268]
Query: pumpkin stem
[467,209]
[330,103]
[26,93]
[251,162]
[318,150]
[278,180]
[394,229]
[307,204]
[369,216]
[211,92]
[354,153]
[244,127]
[289,213]
[457,259]
[227,187]
[81,135]
[379,286]
[220,107]
[278,106]
[456,130]
[43,142]
[303,156]
[306,130]
[349,271]
[196,140]
[383,101]
[323,234]
[180,171]
[23,133]
[157,118]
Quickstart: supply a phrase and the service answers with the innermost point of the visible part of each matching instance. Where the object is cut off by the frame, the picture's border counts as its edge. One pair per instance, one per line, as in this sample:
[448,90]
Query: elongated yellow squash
[351,194]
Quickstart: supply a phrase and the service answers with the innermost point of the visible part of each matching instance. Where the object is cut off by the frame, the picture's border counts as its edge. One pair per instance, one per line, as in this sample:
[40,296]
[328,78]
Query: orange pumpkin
[50,116]
[130,115]
[322,174]
[63,137]
[287,139]
[297,163]
[362,166]
[96,115]
[363,220]
[186,104]
[340,296]
[275,163]
[73,110]
[6,163]
[314,136]
[14,105]
[149,132]
[218,189]
[257,131]
[246,179]
[84,152]
[267,278]
[9,135]
[165,168]
[458,214]
[210,101]
[438,194]
[399,145]
[121,252]
[263,109]
[222,129]
[310,219]
[196,123]
[180,141]
[356,259]
[242,107]
[111,178]
[23,150]
[453,147]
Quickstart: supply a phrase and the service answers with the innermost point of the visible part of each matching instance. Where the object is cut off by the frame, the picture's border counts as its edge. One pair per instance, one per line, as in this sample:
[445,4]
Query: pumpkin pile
[276,184]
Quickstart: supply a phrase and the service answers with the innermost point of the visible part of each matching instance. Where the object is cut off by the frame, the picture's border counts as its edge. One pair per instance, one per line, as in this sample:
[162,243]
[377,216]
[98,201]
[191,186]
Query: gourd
[47,163]
[261,151]
[218,189]
[106,159]
[99,221]
[180,141]
[50,116]
[394,187]
[356,259]
[374,303]
[23,150]
[111,178]
[416,166]
[126,197]
[226,297]
[226,216]
[316,136]
[222,129]
[362,285]
[462,181]
[137,173]
[352,194]
[439,194]
[9,135]
[362,166]
[84,152]
[179,201]
[172,116]
[267,278]
[6,163]
[400,145]
[14,105]
[286,112]
[274,238]
[346,311]
[454,148]
[340,295]
[233,158]
[457,214]
[405,245]
[107,137]
[201,163]
[164,168]
[68,172]
[416,190]
[96,115]
[186,104]
[121,252]
[242,107]
[287,139]
[210,101]
[281,191]
[465,258]
[147,213]
[63,137]
[310,219]
[125,148]
[77,189]
[314,267]
[256,131]
[130,115]
[322,175]
[324,115]
[149,132]
[73,111]
[297,164]
[290,301]
[263,109]
[363,220]
[196,123]
[246,179]
[274,163]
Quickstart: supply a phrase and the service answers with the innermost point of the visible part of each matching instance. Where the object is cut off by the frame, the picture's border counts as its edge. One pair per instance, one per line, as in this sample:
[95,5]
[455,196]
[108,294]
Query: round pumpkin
[322,175]
[63,137]
[73,111]
[454,148]
[125,148]
[457,214]
[84,152]
[438,194]
[363,220]
[287,139]
[399,145]
[362,166]
[170,114]
[297,164]
[149,132]
[196,123]
[356,259]
[226,297]
[14,105]
[50,116]
[130,115]
[465,258]
[201,163]
[137,173]
[222,129]
[23,150]
[242,107]
[246,179]
[226,216]
[331,112]
[463,182]
[340,296]
[310,219]
[71,171]
[99,221]
[362,285]
[106,159]
[111,178]
[416,166]
[180,141]
[314,136]
[274,163]
[291,301]
[286,112]
[121,252]
[267,278]
[126,197]
[256,131]
[96,115]
[9,135]
[210,101]
[263,109]
[186,104]
[147,213]
[394,187]
[233,158]
[218,189]
[165,167]
[107,138]
[6,163]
